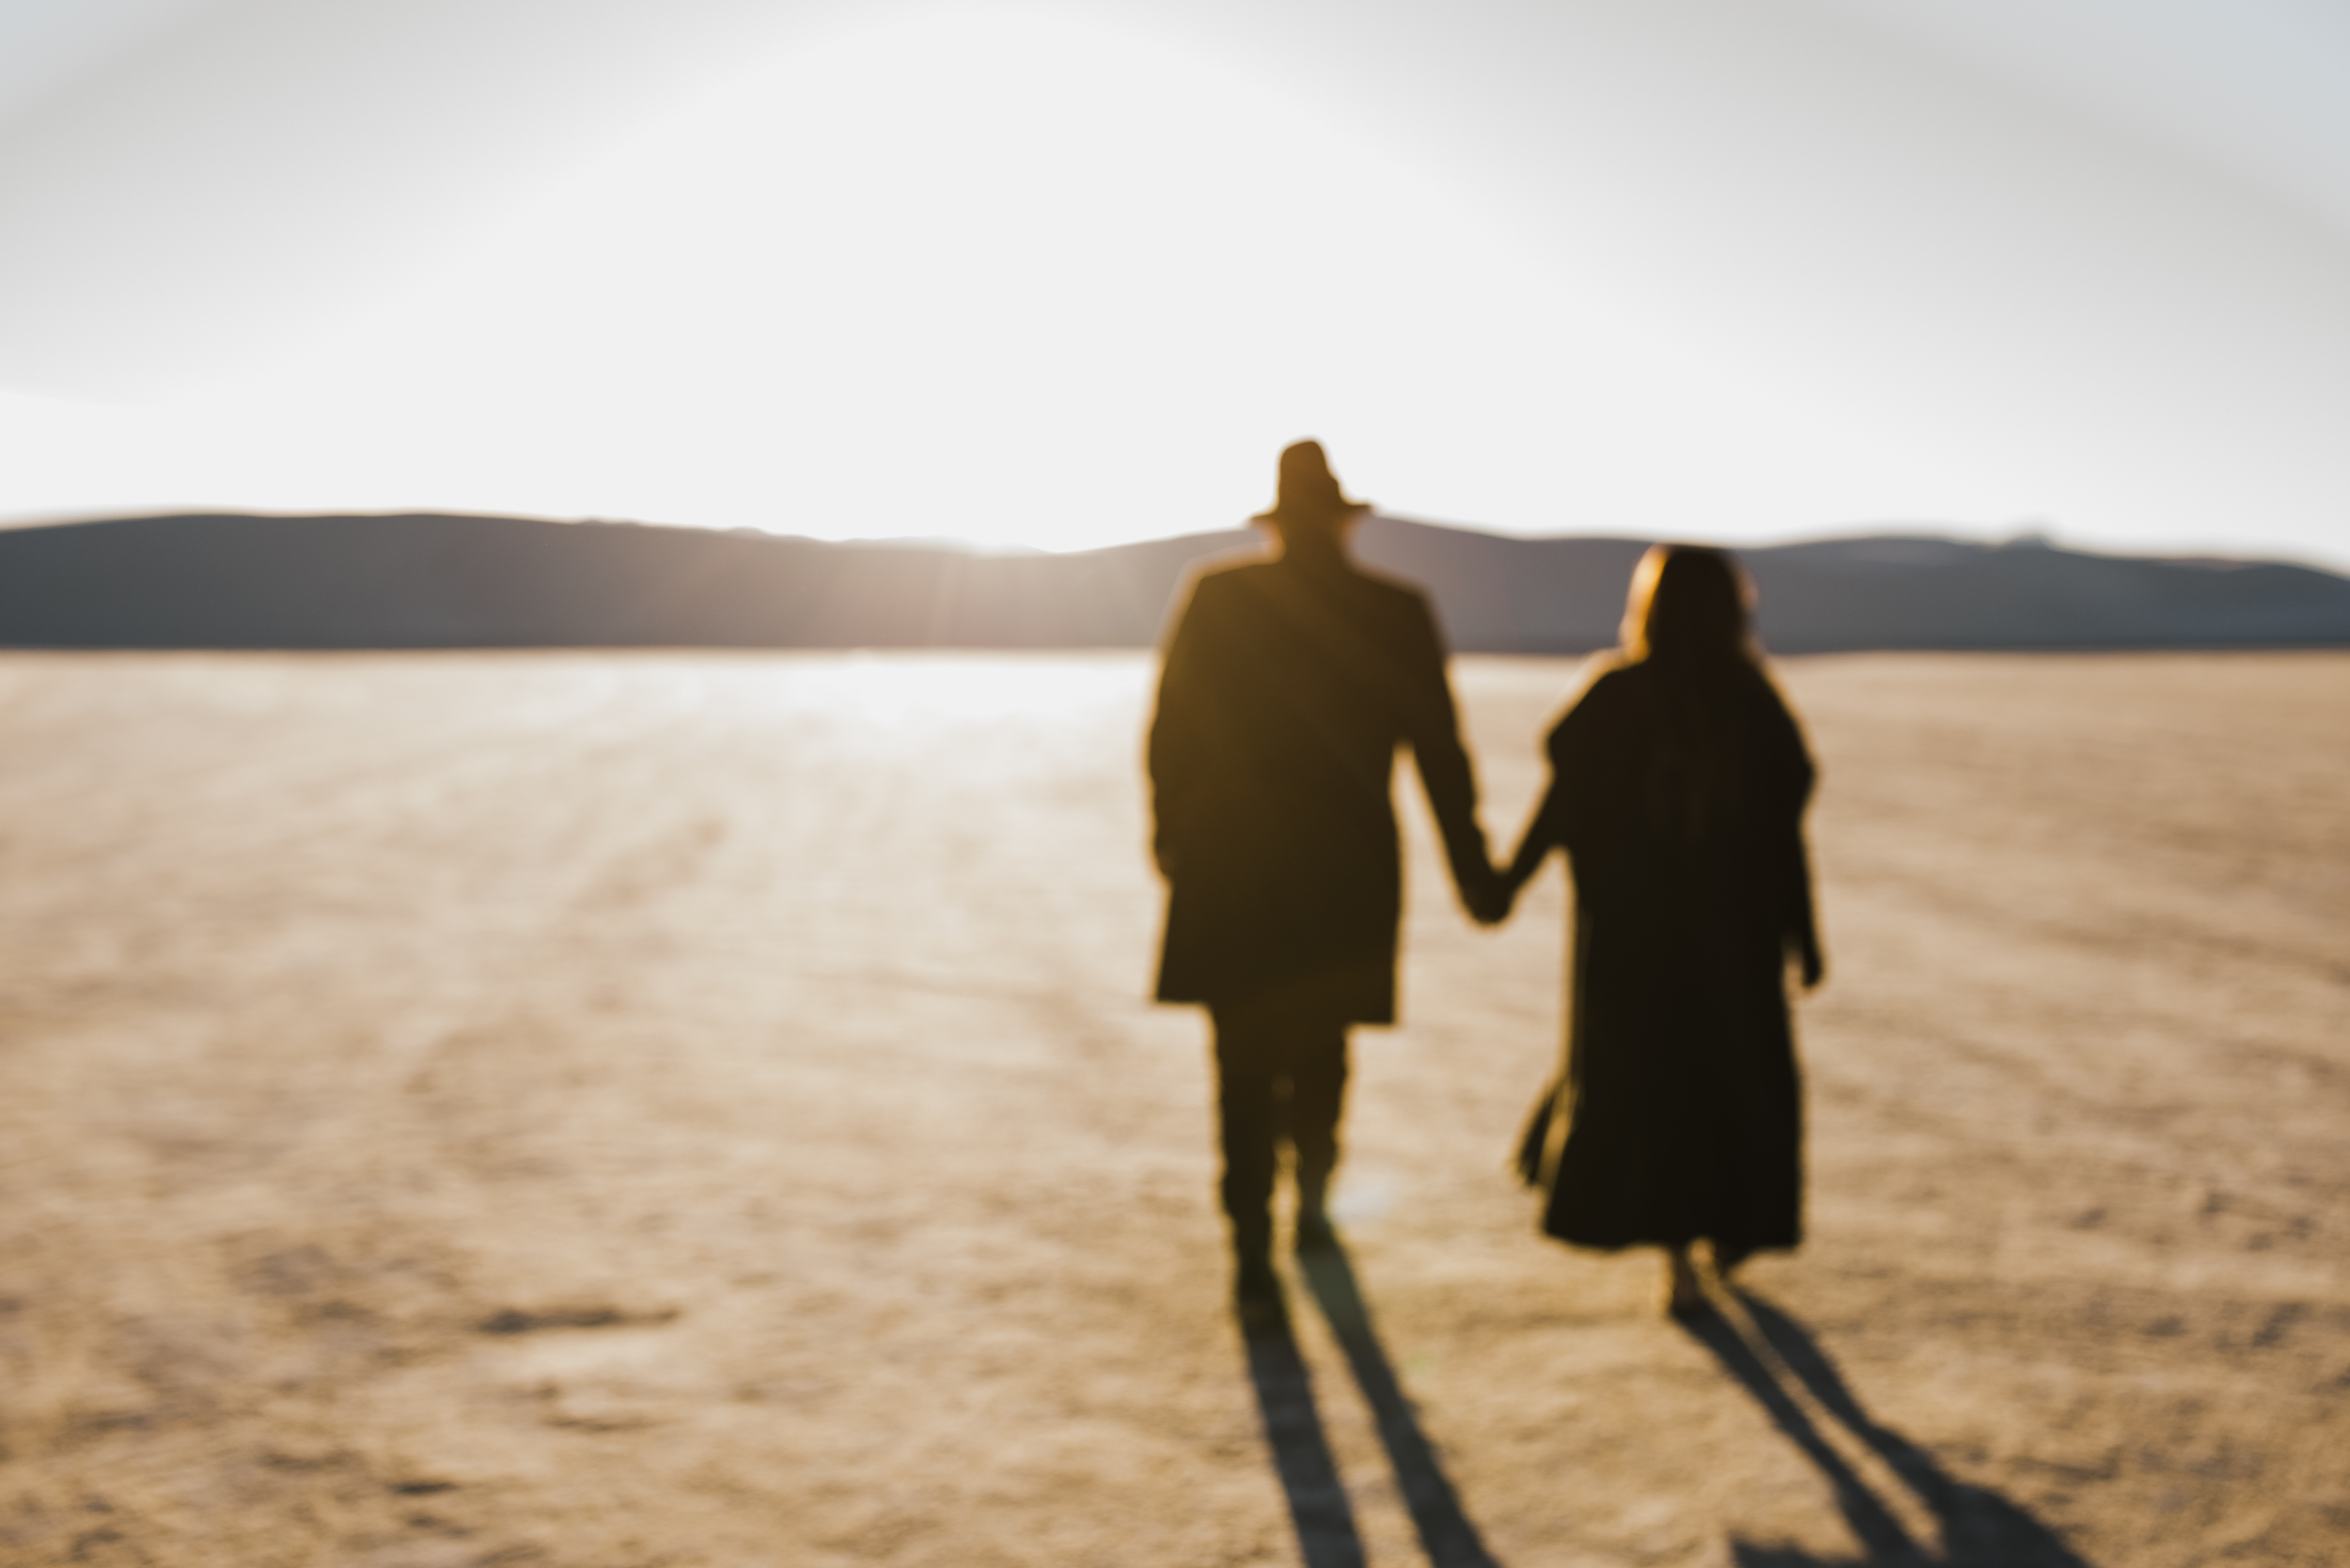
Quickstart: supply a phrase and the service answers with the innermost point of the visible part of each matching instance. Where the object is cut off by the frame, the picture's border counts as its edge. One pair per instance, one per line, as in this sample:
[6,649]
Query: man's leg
[1281,1062]
[1247,1071]
[1317,1096]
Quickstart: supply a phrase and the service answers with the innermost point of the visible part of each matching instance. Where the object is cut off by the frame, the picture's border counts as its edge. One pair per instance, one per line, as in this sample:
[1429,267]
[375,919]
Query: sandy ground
[673,1109]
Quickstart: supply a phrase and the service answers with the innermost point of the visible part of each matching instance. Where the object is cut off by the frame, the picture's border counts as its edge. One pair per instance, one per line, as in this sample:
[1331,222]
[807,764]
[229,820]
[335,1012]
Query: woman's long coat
[1679,797]
[1286,690]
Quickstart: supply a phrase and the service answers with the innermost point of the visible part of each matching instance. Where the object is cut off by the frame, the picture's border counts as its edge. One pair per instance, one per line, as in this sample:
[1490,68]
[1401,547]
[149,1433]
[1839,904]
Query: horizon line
[2037,534]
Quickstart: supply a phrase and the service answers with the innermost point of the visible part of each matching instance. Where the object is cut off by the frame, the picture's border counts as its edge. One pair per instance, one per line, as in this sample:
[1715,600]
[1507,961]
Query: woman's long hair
[1692,607]
[1690,619]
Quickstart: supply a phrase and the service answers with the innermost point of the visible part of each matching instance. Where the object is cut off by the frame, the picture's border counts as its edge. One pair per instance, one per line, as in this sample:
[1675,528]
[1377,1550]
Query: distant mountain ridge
[437,580]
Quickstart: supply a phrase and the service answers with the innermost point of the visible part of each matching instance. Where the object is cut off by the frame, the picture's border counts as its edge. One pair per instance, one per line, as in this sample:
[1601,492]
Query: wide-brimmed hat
[1308,492]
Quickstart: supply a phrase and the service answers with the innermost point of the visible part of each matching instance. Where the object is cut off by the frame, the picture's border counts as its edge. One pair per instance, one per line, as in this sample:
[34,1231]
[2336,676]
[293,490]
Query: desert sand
[619,1110]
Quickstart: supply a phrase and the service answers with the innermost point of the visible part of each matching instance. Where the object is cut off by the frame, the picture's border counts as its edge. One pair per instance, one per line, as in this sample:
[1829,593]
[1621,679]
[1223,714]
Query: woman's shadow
[1755,1343]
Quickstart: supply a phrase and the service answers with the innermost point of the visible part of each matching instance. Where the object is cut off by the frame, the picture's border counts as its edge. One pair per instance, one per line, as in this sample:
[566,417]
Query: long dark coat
[1680,802]
[1287,688]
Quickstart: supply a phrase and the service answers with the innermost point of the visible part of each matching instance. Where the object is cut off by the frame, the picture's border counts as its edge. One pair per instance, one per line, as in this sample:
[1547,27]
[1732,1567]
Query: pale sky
[1064,276]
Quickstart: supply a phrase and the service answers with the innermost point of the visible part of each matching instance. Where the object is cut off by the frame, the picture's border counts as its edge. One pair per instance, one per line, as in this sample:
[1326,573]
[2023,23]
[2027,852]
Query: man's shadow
[1319,1509]
[1978,1528]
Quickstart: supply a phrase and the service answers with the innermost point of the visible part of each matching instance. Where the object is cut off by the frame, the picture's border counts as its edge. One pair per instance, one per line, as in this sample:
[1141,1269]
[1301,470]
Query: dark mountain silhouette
[443,581]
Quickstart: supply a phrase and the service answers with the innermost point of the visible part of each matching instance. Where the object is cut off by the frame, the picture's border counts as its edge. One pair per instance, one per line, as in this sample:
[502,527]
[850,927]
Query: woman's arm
[1580,735]
[1543,835]
[1795,776]
[1803,919]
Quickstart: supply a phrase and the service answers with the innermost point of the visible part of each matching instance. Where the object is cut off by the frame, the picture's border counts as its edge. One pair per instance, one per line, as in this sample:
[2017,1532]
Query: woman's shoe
[1685,1294]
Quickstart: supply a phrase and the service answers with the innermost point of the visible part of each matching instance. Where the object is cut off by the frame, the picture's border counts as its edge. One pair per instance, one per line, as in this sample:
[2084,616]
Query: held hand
[1488,896]
[1815,968]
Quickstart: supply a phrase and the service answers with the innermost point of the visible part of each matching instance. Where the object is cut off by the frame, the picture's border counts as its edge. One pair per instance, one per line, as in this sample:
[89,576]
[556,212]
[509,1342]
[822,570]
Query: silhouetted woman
[1678,786]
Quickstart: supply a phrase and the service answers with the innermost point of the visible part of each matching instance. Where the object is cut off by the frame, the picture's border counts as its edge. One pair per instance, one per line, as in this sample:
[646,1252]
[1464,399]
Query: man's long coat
[1287,688]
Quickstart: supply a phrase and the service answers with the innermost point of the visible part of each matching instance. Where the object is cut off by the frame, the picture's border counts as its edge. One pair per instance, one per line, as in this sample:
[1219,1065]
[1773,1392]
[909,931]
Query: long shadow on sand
[1779,1363]
[1318,1504]
[1323,1518]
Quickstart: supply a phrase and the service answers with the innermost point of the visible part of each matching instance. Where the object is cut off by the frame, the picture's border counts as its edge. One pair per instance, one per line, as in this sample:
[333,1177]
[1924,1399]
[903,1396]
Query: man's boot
[1314,1234]
[1255,1289]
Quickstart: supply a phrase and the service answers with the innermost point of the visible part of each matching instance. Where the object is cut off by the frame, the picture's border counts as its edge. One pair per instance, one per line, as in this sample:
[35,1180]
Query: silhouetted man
[1287,688]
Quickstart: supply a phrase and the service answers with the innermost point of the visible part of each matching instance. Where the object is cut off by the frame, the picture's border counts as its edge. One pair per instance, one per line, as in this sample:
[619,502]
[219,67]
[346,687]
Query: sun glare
[999,274]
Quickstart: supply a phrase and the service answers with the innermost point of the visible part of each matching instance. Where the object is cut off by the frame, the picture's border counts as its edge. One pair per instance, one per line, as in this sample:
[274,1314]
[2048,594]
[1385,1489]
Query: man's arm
[1447,775]
[1172,753]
